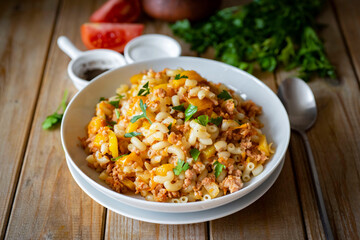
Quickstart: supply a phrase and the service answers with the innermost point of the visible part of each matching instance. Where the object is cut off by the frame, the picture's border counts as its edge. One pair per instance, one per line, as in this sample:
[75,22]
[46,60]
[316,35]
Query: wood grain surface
[40,200]
[26,29]
[48,203]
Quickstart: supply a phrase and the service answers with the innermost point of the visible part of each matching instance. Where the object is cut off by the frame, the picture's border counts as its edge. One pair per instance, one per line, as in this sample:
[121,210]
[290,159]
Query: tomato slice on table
[109,35]
[117,11]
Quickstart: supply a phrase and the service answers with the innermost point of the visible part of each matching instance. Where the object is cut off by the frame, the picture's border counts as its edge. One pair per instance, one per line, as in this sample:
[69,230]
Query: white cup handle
[68,47]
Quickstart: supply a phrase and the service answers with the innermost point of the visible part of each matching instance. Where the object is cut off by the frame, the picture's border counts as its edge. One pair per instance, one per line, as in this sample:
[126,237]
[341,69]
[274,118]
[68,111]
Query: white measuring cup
[102,59]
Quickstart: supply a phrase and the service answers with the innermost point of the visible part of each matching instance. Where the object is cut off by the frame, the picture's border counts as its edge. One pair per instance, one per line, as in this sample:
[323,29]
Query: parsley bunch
[267,33]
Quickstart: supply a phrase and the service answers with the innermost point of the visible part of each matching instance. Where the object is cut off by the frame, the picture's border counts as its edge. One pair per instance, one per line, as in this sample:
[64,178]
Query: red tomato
[117,11]
[109,35]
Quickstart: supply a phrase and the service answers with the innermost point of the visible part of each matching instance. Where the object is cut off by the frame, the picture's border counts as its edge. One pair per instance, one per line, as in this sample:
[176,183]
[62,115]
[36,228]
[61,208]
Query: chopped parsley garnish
[112,122]
[56,117]
[117,113]
[119,97]
[225,95]
[115,103]
[145,90]
[143,115]
[190,111]
[195,153]
[181,166]
[217,121]
[218,168]
[203,120]
[169,127]
[132,134]
[180,108]
[102,99]
[117,158]
[177,76]
[111,127]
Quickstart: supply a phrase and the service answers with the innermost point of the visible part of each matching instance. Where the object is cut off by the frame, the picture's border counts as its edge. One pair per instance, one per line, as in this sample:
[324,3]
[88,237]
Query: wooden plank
[26,29]
[48,203]
[334,139]
[349,18]
[120,227]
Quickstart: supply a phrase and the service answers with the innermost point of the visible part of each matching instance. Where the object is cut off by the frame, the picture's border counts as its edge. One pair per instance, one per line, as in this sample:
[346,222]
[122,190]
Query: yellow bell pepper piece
[130,159]
[209,152]
[100,138]
[132,127]
[136,78]
[163,169]
[178,83]
[113,144]
[192,75]
[163,86]
[201,104]
[95,124]
[263,145]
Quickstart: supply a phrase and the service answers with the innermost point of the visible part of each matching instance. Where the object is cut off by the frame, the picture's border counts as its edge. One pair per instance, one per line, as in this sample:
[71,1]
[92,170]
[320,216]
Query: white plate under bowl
[173,218]
[81,109]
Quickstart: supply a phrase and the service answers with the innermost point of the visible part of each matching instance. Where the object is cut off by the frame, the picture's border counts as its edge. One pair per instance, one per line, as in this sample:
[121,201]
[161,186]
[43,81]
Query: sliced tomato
[109,35]
[117,11]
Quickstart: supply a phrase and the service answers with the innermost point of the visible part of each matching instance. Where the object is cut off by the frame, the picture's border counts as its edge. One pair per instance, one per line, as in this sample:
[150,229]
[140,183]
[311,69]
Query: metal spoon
[300,104]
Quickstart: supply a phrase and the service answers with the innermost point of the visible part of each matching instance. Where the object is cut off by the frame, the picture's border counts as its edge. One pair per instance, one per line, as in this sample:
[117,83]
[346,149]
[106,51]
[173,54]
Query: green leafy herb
[169,127]
[225,95]
[218,167]
[217,121]
[117,158]
[194,153]
[117,113]
[143,115]
[56,117]
[181,166]
[265,34]
[102,99]
[132,134]
[145,90]
[110,126]
[190,111]
[177,76]
[180,108]
[112,122]
[203,120]
[115,103]
[119,97]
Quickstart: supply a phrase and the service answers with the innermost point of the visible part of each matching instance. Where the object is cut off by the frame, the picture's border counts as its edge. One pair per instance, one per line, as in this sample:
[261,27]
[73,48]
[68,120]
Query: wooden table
[39,198]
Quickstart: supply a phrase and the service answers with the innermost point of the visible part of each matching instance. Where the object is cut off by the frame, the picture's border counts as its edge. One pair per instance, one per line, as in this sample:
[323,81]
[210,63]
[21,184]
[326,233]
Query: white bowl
[81,110]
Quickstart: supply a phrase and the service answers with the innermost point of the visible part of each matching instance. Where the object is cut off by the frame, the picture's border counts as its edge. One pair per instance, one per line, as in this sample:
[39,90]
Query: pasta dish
[172,136]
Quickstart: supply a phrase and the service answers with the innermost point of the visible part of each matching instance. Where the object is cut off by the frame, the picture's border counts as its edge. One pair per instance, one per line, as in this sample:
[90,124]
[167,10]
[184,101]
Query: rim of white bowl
[201,204]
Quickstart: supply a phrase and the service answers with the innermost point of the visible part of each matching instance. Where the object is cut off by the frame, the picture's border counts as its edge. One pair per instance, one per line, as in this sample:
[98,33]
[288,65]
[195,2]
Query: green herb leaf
[102,99]
[203,120]
[217,121]
[224,95]
[56,117]
[181,166]
[115,103]
[145,90]
[190,111]
[218,167]
[180,108]
[119,97]
[117,113]
[169,127]
[132,134]
[143,115]
[194,153]
[112,122]
[177,76]
[117,158]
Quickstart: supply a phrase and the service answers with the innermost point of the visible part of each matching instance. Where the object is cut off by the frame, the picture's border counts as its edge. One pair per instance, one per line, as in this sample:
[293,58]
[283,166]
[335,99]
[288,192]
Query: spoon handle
[318,192]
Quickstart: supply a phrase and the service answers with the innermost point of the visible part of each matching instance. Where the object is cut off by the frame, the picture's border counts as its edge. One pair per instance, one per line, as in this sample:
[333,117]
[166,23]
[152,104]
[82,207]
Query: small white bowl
[81,110]
[151,46]
[88,60]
